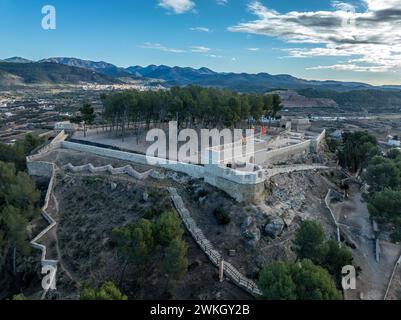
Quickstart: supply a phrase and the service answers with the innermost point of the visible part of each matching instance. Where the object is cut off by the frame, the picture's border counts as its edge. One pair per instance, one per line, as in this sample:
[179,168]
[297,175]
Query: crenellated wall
[194,171]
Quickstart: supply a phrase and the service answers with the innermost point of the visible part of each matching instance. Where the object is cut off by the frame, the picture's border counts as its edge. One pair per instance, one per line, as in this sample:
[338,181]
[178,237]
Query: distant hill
[101,72]
[372,100]
[48,73]
[100,67]
[238,81]
[17,60]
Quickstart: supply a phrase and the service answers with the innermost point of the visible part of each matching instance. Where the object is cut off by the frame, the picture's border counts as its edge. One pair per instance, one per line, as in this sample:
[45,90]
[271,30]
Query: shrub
[308,240]
[167,228]
[222,217]
[396,236]
[297,281]
[108,291]
[175,260]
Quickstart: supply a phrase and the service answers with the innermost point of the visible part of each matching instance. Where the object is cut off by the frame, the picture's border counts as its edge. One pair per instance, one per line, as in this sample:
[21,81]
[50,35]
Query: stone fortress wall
[191,170]
[242,185]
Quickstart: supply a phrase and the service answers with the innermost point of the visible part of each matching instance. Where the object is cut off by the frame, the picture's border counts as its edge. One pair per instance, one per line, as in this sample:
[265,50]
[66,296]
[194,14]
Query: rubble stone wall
[186,168]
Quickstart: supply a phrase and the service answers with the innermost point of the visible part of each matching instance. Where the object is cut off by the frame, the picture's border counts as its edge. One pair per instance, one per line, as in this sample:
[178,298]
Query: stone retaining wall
[327,201]
[52,223]
[194,171]
[110,169]
[242,186]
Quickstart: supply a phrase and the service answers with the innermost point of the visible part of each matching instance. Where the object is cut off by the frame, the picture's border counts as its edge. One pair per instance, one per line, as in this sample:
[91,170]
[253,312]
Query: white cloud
[253,49]
[177,6]
[342,6]
[369,37]
[213,56]
[201,29]
[200,49]
[222,2]
[158,46]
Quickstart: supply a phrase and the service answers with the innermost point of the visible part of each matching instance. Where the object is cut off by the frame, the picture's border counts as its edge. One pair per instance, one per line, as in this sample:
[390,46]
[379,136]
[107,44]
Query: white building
[393,141]
[67,126]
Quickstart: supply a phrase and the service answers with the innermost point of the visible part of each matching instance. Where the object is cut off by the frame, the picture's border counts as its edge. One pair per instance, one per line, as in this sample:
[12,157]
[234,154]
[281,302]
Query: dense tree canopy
[18,205]
[333,258]
[175,260]
[308,240]
[357,149]
[385,206]
[190,106]
[310,244]
[167,228]
[16,153]
[139,241]
[382,173]
[276,282]
[135,241]
[108,291]
[297,281]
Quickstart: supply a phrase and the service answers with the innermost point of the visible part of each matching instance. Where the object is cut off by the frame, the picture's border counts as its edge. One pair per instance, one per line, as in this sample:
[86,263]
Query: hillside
[244,82]
[171,76]
[100,67]
[372,100]
[72,70]
[48,73]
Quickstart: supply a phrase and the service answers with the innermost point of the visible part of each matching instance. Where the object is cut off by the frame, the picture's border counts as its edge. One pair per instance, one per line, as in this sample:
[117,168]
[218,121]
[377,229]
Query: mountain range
[73,70]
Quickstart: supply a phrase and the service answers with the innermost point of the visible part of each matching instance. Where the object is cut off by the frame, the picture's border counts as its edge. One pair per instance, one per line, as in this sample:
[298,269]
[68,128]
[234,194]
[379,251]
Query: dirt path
[354,219]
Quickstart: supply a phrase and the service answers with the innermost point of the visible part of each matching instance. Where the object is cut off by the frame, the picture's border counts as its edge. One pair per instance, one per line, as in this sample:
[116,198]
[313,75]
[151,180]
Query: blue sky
[305,38]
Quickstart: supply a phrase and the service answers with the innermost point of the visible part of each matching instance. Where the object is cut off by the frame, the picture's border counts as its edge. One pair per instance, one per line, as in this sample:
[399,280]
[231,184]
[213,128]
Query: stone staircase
[215,257]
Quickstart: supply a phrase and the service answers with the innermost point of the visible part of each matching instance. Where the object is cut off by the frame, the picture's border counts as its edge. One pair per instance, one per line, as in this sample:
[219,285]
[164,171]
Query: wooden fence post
[221,270]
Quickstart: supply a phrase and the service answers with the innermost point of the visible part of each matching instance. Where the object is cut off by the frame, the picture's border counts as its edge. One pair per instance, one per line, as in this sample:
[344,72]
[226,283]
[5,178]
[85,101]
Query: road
[354,219]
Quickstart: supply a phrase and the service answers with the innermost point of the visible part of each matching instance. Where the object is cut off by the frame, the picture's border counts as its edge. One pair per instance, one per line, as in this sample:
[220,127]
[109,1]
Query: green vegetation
[139,242]
[19,202]
[18,205]
[135,241]
[373,99]
[308,240]
[87,116]
[385,206]
[276,282]
[383,173]
[297,281]
[175,261]
[310,244]
[333,258]
[167,228]
[191,106]
[222,216]
[316,273]
[17,153]
[108,291]
[19,297]
[45,73]
[356,150]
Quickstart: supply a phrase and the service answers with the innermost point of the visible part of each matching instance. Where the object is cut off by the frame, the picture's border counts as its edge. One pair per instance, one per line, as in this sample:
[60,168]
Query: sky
[359,40]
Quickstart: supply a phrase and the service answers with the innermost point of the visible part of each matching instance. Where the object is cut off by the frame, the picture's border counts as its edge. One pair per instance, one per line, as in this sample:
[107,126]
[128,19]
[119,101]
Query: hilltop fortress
[244,181]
